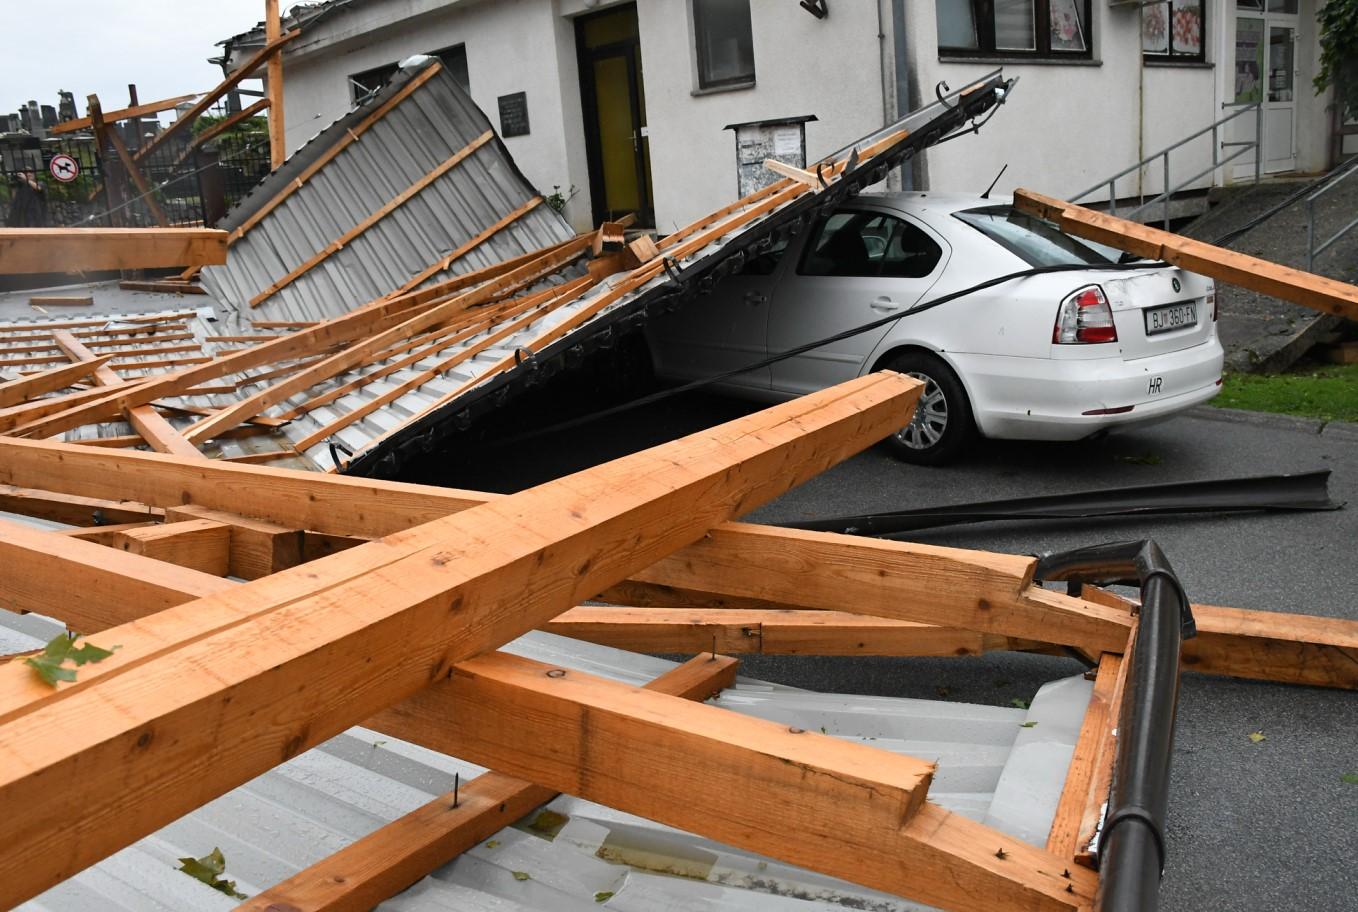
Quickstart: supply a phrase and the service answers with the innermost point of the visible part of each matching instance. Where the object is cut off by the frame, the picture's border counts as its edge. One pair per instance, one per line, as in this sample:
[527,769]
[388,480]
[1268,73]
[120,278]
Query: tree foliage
[1338,20]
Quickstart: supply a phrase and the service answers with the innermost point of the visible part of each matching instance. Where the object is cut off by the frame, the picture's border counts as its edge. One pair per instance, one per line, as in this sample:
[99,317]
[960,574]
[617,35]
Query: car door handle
[755,298]
[884,305]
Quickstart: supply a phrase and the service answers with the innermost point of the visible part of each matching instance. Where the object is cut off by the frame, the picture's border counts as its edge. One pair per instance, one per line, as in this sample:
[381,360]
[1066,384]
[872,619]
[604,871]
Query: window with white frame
[1051,29]
[1171,31]
[724,42]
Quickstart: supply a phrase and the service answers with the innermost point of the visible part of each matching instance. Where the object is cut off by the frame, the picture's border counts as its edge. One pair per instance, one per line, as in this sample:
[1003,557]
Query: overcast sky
[98,47]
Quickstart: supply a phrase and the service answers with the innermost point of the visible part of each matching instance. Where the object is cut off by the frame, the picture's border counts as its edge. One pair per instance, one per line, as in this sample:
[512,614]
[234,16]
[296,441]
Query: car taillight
[1212,302]
[1084,317]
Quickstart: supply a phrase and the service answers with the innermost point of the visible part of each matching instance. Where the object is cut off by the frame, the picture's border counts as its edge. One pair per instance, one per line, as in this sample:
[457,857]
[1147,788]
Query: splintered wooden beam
[26,250]
[16,392]
[772,632]
[42,571]
[1304,288]
[838,807]
[299,656]
[1084,762]
[800,175]
[381,864]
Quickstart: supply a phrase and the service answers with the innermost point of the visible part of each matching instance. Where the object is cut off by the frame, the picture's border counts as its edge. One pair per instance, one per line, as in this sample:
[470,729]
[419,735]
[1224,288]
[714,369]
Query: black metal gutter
[1131,841]
[1288,493]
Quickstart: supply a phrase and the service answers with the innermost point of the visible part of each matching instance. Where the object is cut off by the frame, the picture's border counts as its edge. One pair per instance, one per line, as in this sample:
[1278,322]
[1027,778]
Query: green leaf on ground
[603,896]
[493,844]
[548,823]
[50,664]
[522,875]
[1350,778]
[1028,725]
[1257,736]
[1019,702]
[209,870]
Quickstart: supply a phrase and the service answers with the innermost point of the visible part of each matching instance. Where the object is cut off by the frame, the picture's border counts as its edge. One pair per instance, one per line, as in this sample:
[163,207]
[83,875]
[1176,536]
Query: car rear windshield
[1036,242]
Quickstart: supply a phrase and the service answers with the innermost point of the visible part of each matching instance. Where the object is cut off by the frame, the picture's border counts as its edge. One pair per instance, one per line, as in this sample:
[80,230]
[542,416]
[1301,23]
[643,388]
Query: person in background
[28,202]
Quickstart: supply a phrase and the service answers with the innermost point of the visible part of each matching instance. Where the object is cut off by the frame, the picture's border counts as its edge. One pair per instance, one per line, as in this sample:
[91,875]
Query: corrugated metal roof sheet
[427,127]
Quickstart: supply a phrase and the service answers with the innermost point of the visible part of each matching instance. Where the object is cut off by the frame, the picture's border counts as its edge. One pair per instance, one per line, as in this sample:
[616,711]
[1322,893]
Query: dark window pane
[1036,242]
[1014,25]
[725,42]
[956,24]
[869,244]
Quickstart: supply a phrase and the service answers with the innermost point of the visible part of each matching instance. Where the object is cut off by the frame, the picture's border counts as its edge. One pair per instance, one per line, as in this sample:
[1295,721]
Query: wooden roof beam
[381,864]
[28,250]
[17,392]
[1307,289]
[318,648]
[838,807]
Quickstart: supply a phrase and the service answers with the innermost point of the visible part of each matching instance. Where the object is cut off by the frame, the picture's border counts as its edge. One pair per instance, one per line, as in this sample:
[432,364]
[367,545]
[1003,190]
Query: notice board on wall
[783,139]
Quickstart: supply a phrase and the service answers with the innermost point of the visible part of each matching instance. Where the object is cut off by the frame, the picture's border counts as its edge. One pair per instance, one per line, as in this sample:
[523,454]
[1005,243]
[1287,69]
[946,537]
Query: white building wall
[1068,125]
[512,46]
[830,68]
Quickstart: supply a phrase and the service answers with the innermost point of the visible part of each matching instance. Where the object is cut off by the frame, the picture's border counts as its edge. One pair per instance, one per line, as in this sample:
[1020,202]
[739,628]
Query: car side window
[765,263]
[871,245]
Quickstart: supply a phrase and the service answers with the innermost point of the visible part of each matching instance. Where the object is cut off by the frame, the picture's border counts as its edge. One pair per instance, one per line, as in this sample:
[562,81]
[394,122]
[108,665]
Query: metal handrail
[1217,162]
[1312,251]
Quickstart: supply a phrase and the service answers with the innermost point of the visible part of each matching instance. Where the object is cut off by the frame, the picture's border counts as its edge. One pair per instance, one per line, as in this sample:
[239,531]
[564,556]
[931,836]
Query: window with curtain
[1052,29]
[1171,31]
[724,42]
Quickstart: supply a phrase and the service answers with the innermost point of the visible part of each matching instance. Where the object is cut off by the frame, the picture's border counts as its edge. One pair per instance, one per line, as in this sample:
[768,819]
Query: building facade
[626,106]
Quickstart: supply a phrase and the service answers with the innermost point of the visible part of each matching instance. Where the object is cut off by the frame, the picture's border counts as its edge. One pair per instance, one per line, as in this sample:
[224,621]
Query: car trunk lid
[1159,310]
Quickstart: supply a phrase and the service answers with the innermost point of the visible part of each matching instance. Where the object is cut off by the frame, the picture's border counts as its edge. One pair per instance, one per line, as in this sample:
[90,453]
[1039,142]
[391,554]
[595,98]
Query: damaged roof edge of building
[931,124]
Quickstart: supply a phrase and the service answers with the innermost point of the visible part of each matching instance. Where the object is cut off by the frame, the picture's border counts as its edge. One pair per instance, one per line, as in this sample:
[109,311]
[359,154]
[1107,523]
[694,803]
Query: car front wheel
[942,424]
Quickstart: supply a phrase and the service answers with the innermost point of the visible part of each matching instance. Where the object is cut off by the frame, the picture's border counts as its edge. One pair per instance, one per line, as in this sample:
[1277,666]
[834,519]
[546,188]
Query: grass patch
[1328,392]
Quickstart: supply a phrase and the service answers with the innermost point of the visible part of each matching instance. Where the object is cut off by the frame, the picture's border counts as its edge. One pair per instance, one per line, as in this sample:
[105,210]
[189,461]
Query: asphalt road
[1266,825]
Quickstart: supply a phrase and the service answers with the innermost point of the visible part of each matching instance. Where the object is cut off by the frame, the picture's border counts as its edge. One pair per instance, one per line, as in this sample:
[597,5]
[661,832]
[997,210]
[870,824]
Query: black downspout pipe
[1131,842]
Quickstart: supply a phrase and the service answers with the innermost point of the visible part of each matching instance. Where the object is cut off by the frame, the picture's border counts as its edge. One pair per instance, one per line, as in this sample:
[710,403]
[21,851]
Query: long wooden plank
[141,110]
[1271,646]
[838,807]
[133,752]
[43,572]
[145,420]
[350,136]
[17,419]
[72,509]
[372,219]
[1307,289]
[221,127]
[27,250]
[1070,809]
[16,392]
[381,864]
[771,632]
[206,101]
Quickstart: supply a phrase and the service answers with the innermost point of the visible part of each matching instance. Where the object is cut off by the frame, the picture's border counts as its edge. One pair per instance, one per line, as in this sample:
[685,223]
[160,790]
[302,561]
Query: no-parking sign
[63,167]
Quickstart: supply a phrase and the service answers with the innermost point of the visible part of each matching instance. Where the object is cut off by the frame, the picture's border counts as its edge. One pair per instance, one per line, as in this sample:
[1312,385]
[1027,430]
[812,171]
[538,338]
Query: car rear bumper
[1042,399]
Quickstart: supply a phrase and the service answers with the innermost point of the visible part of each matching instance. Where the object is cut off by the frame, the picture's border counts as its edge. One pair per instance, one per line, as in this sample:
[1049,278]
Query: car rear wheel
[942,424]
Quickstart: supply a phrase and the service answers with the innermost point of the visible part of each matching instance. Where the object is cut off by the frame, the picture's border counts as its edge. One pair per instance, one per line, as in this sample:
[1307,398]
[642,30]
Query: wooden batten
[28,250]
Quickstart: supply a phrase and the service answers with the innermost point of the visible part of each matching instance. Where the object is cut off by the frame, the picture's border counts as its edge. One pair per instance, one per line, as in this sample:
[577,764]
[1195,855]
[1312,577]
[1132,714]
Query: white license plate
[1171,317]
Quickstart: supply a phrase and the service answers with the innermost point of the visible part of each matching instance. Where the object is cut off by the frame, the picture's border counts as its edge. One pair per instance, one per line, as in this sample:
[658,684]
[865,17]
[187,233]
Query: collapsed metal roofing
[369,358]
[333,198]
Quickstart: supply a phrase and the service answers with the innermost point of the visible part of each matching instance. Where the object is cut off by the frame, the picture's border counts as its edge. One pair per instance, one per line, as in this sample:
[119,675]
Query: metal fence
[191,183]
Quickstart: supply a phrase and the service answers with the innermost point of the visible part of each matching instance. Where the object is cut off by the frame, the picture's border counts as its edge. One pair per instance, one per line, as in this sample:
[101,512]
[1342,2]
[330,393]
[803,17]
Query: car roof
[944,203]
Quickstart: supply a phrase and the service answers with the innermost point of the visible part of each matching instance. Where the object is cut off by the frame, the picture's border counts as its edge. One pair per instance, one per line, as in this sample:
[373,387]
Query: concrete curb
[1337,430]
